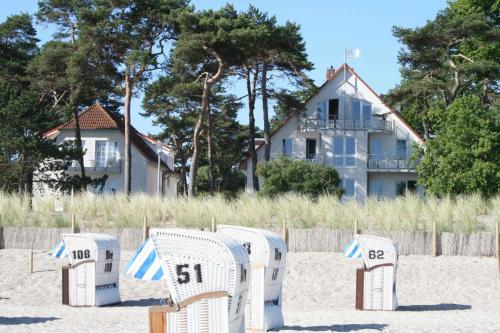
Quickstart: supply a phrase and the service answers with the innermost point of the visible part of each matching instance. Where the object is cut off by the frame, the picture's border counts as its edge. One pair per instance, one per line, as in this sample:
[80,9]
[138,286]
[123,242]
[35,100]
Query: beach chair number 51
[379,254]
[183,275]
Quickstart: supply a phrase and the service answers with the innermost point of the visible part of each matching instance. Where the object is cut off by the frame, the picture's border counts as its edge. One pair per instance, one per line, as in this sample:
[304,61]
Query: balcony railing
[306,124]
[312,158]
[389,162]
[114,166]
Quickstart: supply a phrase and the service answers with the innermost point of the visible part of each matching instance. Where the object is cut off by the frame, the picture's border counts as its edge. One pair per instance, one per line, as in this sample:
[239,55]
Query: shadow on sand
[25,320]
[139,302]
[434,307]
[337,328]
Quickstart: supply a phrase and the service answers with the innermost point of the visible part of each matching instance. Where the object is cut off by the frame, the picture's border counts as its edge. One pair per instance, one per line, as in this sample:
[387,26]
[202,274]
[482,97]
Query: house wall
[144,173]
[353,88]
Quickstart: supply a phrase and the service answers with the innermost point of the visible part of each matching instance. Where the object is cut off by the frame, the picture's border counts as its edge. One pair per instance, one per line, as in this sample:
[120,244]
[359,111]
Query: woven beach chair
[267,253]
[92,277]
[376,281]
[207,277]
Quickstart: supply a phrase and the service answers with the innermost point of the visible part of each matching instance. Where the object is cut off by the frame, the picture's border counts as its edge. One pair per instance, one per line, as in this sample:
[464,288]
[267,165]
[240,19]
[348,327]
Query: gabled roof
[96,117]
[334,75]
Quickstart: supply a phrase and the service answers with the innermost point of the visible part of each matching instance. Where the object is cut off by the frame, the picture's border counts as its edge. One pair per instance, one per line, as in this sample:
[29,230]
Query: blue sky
[328,26]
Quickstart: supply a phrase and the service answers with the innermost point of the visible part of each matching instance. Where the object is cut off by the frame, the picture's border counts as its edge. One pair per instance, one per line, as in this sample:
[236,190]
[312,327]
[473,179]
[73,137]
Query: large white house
[347,126]
[103,141]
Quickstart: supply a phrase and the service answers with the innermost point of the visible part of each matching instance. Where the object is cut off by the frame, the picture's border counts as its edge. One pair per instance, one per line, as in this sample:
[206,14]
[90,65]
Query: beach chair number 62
[81,254]
[183,275]
[378,255]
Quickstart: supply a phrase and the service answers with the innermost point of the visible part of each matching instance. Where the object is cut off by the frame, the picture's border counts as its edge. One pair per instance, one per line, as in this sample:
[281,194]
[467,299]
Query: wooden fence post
[356,229]
[498,246]
[284,231]
[213,227]
[31,262]
[145,229]
[434,239]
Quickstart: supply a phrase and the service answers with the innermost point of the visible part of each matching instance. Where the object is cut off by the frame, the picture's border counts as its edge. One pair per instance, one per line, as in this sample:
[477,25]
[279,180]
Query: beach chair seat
[376,281]
[207,277]
[267,252]
[92,277]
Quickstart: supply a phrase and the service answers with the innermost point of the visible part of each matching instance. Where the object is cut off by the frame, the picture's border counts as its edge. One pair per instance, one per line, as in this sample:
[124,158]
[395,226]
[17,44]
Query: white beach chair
[207,277]
[376,281]
[92,278]
[267,253]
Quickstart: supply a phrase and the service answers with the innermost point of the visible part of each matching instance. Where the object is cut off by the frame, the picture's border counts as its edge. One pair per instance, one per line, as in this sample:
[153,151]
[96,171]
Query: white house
[347,126]
[103,141]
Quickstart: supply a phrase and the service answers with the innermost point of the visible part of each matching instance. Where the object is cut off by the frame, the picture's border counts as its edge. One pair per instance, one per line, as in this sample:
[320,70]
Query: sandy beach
[443,294]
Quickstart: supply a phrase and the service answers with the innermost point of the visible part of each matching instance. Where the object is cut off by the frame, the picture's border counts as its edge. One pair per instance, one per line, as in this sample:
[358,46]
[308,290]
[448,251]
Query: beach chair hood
[378,251]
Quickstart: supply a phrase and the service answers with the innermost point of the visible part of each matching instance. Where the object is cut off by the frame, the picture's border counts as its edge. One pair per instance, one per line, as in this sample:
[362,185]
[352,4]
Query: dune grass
[410,213]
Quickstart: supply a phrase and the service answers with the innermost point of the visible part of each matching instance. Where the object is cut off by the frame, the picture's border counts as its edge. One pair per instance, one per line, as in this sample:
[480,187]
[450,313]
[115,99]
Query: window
[404,186]
[355,109]
[310,149]
[348,185]
[344,151]
[401,150]
[333,109]
[376,188]
[105,153]
[367,111]
[321,110]
[287,147]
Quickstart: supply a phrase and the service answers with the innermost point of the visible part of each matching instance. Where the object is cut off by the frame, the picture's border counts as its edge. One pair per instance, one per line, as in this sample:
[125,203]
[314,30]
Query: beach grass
[409,213]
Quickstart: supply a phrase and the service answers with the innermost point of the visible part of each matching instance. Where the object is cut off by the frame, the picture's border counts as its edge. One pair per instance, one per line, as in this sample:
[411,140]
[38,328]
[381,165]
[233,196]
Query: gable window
[321,113]
[344,151]
[348,185]
[367,111]
[355,109]
[402,149]
[105,153]
[287,147]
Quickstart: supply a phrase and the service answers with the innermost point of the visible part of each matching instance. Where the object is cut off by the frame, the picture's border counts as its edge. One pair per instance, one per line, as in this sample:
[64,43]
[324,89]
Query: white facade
[347,126]
[104,155]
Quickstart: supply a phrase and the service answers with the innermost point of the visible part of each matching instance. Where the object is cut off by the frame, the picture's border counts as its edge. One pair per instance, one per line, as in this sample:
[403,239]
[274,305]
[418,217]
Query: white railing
[347,123]
[389,162]
[97,166]
[312,158]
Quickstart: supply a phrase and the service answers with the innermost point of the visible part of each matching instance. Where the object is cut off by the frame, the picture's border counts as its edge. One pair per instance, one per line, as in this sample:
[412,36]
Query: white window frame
[107,153]
[284,147]
[344,156]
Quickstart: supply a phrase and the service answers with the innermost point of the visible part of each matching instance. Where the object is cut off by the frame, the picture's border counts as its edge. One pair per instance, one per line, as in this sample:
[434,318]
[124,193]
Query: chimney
[329,73]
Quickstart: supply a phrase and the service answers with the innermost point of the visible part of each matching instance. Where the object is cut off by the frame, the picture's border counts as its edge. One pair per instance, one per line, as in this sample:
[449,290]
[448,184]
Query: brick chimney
[329,73]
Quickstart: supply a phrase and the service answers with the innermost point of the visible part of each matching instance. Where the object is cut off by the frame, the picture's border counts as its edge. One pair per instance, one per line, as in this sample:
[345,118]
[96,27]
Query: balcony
[374,124]
[311,158]
[91,166]
[390,163]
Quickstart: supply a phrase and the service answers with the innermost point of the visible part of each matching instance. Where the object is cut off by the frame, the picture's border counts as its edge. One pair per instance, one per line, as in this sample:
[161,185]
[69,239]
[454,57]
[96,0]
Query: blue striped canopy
[145,264]
[59,251]
[353,250]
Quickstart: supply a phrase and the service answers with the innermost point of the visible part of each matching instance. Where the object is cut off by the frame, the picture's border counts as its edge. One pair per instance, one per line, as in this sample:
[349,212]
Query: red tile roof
[97,117]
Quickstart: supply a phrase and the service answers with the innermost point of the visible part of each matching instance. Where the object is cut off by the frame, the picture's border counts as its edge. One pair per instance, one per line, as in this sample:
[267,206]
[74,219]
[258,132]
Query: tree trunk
[265,113]
[251,85]
[193,170]
[210,154]
[78,138]
[128,155]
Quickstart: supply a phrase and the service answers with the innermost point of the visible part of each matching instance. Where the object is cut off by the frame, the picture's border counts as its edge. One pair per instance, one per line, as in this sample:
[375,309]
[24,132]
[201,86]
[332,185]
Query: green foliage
[284,176]
[464,158]
[228,182]
[290,103]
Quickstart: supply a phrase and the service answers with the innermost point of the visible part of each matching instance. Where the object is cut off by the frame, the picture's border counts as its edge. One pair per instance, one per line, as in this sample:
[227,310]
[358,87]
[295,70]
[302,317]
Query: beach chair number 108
[81,254]
[183,275]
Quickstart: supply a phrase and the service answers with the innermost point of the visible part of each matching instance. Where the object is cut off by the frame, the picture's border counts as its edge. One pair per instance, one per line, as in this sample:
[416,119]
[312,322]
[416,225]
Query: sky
[327,26]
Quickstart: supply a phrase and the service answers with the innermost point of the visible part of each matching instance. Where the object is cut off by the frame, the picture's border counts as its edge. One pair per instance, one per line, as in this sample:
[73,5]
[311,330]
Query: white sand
[444,294]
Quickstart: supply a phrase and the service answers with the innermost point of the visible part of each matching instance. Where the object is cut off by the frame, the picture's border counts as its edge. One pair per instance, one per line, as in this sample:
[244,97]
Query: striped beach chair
[92,277]
[376,281]
[267,253]
[207,277]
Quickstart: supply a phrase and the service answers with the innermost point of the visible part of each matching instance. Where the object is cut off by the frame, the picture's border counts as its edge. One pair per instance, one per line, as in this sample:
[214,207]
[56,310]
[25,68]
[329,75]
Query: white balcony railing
[306,124]
[389,162]
[114,166]
[312,158]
